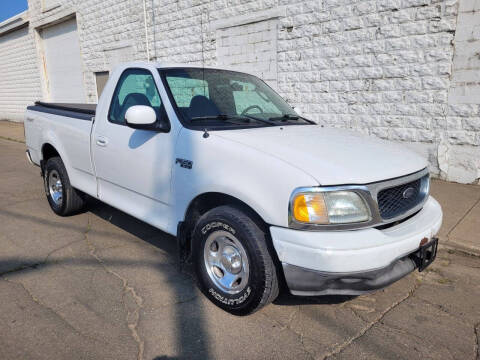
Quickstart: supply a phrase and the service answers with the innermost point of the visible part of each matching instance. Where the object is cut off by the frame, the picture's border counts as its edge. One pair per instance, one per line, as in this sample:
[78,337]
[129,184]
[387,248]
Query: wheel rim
[55,187]
[226,262]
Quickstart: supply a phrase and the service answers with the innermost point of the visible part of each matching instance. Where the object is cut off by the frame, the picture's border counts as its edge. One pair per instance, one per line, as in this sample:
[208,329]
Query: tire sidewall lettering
[230,301]
[216,225]
[213,291]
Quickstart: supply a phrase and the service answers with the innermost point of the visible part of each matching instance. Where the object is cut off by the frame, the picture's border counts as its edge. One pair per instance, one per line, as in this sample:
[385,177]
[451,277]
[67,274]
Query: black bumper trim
[309,282]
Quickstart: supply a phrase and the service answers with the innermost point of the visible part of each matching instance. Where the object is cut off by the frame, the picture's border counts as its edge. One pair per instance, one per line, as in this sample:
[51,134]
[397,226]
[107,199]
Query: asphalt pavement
[103,285]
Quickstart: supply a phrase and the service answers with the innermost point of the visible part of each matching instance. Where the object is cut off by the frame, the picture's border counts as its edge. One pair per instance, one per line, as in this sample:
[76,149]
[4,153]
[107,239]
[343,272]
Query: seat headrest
[202,106]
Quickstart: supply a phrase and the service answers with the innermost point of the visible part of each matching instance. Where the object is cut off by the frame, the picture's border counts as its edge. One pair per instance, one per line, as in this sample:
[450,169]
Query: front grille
[397,200]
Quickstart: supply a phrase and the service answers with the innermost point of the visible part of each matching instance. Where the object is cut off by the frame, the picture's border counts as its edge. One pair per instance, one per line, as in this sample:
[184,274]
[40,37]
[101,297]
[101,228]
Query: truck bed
[78,111]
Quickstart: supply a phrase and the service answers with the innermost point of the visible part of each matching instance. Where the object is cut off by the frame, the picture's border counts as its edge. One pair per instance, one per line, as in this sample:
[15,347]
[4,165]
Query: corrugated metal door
[64,74]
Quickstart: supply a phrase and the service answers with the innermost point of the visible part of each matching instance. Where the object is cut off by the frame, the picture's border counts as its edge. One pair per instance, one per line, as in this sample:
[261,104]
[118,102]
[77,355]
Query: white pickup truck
[257,195]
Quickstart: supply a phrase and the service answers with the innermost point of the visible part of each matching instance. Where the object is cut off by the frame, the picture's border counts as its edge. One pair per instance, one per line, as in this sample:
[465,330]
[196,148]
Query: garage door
[64,75]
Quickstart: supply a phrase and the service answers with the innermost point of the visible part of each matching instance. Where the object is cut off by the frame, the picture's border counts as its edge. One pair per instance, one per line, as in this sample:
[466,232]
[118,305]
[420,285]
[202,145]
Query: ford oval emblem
[408,193]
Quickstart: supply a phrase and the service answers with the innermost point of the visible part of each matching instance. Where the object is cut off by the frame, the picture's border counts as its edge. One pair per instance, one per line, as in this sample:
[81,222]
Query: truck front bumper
[356,261]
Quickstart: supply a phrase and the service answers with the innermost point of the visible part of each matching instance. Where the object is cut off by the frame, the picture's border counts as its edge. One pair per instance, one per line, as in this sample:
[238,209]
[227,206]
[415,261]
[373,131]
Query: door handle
[102,141]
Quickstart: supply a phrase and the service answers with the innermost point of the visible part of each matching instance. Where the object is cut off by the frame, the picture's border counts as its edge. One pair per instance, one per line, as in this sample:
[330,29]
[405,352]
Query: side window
[135,87]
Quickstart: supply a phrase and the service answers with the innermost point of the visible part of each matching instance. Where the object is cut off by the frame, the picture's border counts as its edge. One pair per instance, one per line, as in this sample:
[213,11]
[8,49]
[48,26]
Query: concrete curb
[459,249]
[12,131]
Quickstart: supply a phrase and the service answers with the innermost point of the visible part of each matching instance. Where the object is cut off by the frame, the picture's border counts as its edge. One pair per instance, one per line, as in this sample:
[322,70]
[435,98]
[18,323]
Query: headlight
[329,207]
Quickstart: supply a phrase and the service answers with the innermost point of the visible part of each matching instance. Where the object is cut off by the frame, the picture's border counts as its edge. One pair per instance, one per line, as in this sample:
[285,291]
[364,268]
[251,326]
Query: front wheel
[234,267]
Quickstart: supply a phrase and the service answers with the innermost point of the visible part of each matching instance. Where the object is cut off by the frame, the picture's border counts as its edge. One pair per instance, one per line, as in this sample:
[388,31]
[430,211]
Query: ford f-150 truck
[258,196]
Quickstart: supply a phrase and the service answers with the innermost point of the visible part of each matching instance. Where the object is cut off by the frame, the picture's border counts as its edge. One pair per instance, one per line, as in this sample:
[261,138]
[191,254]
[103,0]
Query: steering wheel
[252,107]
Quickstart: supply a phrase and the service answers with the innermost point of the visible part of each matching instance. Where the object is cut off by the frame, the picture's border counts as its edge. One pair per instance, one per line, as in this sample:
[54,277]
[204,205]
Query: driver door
[133,167]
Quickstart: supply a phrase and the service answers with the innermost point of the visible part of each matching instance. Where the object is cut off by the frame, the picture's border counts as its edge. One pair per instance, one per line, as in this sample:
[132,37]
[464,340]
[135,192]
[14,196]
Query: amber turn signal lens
[310,208]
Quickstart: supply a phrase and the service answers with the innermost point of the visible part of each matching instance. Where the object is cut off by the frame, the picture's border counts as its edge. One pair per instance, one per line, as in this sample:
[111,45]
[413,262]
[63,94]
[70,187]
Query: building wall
[110,32]
[402,70]
[459,150]
[388,68]
[19,81]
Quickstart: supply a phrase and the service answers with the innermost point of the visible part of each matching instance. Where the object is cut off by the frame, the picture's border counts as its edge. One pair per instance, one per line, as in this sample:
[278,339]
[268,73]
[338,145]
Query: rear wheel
[234,267]
[62,197]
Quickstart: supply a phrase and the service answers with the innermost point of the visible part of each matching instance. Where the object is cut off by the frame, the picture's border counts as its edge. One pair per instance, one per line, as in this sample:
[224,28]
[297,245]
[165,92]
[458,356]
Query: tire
[62,197]
[221,237]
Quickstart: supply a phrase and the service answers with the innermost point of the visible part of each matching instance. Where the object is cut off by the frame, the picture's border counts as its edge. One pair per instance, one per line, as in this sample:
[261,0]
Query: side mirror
[141,117]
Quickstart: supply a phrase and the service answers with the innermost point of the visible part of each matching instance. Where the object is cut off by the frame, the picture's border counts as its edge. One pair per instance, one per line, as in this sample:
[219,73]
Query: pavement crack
[35,265]
[462,218]
[454,249]
[292,316]
[302,341]
[302,338]
[133,317]
[439,307]
[12,139]
[476,346]
[48,308]
[58,249]
[286,327]
[420,339]
[340,348]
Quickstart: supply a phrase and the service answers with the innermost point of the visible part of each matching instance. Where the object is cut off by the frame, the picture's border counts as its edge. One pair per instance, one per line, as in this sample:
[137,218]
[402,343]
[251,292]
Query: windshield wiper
[286,117]
[265,121]
[210,117]
[225,117]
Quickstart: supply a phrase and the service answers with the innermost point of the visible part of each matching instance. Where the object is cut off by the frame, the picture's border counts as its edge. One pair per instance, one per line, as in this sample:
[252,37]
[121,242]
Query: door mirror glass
[141,117]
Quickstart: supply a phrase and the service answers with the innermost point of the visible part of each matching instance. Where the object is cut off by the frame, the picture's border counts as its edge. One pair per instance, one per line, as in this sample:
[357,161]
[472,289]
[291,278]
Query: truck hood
[331,156]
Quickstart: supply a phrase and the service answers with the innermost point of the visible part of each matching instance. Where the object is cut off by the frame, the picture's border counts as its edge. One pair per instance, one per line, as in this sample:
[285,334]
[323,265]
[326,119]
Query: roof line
[14,22]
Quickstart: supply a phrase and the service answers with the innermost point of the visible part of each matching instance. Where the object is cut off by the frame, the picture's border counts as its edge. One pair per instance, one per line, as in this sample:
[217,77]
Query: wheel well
[48,151]
[199,206]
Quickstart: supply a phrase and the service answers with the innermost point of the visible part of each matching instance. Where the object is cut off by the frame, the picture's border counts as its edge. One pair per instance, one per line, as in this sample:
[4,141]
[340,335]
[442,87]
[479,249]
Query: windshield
[226,97]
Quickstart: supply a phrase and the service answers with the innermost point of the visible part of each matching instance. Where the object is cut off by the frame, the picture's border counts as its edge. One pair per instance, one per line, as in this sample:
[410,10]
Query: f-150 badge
[187,164]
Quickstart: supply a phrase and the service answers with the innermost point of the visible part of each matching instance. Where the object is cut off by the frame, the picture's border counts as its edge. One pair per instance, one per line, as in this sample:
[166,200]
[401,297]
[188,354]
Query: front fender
[219,165]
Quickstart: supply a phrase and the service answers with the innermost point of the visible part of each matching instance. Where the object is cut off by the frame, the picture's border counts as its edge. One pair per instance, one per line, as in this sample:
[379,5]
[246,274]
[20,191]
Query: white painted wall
[19,80]
[249,47]
[63,63]
[459,148]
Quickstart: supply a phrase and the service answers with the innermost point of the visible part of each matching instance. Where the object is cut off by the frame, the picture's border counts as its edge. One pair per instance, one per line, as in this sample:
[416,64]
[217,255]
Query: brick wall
[379,67]
[387,68]
[459,150]
[402,70]
[19,81]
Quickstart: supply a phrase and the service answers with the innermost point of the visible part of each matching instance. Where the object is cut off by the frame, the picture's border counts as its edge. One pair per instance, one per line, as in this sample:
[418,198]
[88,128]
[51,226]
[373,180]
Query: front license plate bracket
[426,254]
